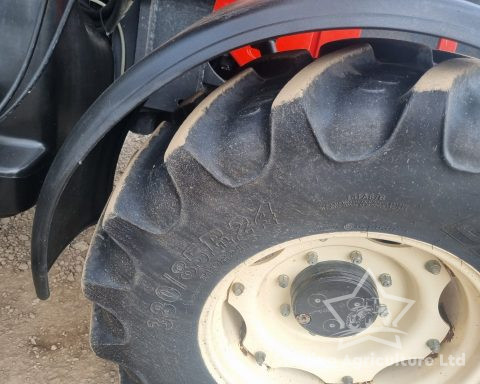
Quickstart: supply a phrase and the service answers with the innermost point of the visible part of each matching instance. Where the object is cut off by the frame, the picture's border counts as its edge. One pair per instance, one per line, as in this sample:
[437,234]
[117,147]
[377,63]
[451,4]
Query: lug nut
[260,357]
[433,266]
[283,281]
[312,258]
[383,310]
[238,288]
[303,318]
[285,310]
[434,345]
[356,257]
[347,380]
[385,279]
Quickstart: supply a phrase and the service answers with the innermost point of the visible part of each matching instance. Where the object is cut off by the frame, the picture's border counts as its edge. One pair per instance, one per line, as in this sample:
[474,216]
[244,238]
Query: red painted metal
[222,3]
[311,41]
[447,45]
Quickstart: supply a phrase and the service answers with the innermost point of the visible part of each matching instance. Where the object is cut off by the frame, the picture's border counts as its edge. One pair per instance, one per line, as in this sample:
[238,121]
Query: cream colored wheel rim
[245,336]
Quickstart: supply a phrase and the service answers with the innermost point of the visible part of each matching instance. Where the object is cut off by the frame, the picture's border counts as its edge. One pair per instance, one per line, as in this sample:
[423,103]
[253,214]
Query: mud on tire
[358,140]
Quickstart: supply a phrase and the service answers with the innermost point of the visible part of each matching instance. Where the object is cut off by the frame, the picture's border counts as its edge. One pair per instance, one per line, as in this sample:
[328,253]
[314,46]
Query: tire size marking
[200,260]
[165,310]
[174,281]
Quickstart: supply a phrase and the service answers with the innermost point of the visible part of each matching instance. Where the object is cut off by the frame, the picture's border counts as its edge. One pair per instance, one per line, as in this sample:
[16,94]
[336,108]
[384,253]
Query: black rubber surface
[351,143]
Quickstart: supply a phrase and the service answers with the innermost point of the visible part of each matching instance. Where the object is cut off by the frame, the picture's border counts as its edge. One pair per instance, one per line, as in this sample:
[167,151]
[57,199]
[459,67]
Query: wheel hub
[334,299]
[273,332]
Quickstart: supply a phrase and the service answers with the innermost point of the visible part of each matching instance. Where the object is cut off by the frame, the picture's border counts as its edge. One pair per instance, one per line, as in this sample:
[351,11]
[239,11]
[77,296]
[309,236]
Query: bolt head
[383,310]
[385,279]
[303,318]
[260,357]
[347,380]
[238,288]
[283,281]
[434,345]
[356,257]
[433,266]
[312,258]
[285,310]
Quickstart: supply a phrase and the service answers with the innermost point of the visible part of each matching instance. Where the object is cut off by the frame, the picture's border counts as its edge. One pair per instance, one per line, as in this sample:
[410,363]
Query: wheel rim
[249,331]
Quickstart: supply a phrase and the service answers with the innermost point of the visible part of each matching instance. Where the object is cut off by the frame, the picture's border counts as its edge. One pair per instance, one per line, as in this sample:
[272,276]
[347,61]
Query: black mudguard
[243,23]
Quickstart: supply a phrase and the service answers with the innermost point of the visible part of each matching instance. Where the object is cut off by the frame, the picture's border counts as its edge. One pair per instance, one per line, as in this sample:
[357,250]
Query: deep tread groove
[107,330]
[127,377]
[146,196]
[353,128]
[109,264]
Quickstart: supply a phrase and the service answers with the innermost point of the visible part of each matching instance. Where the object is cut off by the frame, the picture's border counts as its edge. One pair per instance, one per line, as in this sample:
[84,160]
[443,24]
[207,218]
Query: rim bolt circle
[433,266]
[285,310]
[434,345]
[383,310]
[385,279]
[303,318]
[356,257]
[260,357]
[238,289]
[283,281]
[312,258]
[347,380]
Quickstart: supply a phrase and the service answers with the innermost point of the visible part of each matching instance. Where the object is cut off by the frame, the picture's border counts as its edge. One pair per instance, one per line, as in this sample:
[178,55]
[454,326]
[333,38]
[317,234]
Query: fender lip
[242,23]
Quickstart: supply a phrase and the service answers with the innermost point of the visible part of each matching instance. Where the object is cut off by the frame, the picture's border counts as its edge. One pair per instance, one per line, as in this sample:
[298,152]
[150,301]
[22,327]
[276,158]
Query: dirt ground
[47,342]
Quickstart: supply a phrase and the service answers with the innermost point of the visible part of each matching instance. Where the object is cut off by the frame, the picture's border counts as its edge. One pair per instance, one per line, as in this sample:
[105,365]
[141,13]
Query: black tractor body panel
[50,73]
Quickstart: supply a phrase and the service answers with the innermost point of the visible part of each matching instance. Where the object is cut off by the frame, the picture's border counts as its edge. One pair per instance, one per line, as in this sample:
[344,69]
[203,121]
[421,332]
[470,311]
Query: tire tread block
[227,132]
[146,196]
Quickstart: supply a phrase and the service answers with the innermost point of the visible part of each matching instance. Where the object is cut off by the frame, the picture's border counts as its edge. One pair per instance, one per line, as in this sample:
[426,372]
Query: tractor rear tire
[359,140]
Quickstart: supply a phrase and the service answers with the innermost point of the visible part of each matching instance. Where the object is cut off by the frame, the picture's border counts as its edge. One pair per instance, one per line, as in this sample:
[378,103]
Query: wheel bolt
[385,279]
[285,310]
[312,258]
[238,288]
[303,318]
[347,380]
[433,266]
[383,310]
[434,345]
[356,257]
[283,281]
[260,357]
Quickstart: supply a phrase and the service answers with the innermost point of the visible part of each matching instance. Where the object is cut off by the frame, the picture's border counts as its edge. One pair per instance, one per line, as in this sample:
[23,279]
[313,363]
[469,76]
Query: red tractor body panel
[310,41]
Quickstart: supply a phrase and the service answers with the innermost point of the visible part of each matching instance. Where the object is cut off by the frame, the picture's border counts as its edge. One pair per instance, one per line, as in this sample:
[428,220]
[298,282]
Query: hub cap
[322,295]
[322,321]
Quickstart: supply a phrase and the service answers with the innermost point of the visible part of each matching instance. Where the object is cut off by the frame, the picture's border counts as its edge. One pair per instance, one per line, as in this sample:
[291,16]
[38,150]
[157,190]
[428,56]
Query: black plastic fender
[240,24]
